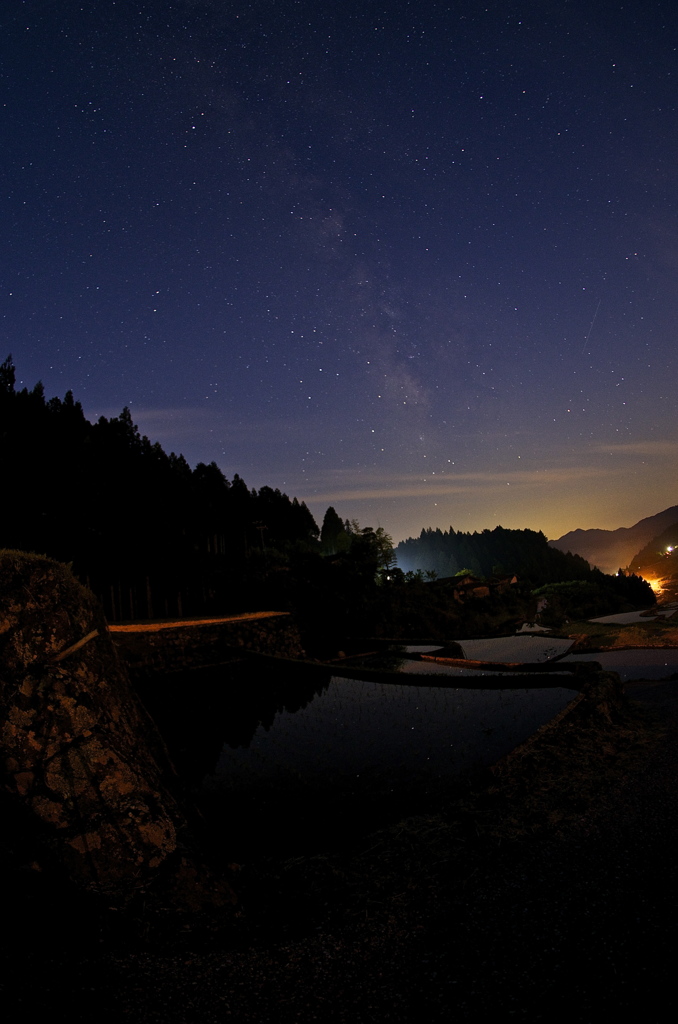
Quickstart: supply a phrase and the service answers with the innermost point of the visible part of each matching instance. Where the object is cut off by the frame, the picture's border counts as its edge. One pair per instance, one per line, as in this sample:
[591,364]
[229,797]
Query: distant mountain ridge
[611,549]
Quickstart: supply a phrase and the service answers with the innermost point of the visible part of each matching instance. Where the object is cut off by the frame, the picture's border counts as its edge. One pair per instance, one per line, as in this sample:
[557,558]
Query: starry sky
[418,261]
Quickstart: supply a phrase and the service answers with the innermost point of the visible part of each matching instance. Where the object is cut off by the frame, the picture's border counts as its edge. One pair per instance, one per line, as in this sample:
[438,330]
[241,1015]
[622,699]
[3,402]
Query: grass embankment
[599,636]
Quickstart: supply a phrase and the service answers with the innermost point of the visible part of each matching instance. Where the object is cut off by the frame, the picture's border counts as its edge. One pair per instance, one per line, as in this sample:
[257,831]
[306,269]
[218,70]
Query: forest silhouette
[153,537]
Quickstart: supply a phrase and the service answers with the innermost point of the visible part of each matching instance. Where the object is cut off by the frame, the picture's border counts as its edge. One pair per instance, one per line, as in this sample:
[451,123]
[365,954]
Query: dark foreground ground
[561,904]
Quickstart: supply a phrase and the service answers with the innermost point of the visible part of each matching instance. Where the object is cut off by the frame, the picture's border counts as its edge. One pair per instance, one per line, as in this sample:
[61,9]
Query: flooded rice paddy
[359,730]
[278,758]
[641,663]
[361,754]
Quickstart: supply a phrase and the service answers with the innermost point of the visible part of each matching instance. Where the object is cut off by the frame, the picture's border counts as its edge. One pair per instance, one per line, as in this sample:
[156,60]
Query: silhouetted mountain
[611,549]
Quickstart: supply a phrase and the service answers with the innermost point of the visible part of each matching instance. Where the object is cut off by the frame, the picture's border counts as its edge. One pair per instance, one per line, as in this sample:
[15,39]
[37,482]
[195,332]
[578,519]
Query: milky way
[417,261]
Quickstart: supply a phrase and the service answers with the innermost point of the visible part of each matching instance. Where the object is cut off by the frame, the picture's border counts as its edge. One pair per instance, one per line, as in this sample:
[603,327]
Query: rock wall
[77,747]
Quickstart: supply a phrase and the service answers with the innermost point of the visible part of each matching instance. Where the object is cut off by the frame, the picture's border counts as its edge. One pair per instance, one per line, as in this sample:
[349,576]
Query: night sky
[415,260]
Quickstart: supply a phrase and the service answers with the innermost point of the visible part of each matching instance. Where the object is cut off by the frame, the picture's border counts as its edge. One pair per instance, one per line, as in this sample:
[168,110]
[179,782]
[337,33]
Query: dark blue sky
[418,261]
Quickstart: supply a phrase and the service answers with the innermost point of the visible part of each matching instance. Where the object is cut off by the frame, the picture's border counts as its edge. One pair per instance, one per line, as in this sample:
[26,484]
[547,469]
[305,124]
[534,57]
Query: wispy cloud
[661,449]
[177,425]
[408,486]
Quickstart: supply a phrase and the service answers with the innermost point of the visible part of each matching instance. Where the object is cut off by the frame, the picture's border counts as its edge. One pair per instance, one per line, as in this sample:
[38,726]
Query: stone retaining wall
[165,647]
[77,748]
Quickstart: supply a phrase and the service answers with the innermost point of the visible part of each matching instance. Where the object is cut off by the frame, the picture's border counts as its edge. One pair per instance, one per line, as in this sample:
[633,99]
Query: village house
[468,587]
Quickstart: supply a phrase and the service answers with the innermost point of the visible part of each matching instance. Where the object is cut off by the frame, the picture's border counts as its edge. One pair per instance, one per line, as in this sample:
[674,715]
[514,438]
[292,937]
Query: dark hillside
[658,562]
[660,551]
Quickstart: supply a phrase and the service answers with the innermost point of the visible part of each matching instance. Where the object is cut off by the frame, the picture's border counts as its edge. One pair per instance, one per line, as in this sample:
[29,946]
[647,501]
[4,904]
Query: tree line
[566,580]
[490,552]
[153,537]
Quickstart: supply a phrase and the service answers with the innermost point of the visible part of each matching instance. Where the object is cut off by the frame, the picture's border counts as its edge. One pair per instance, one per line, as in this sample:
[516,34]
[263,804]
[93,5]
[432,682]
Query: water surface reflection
[278,760]
[354,726]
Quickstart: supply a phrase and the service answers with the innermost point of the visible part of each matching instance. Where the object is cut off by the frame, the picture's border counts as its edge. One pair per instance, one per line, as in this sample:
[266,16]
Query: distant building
[468,587]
